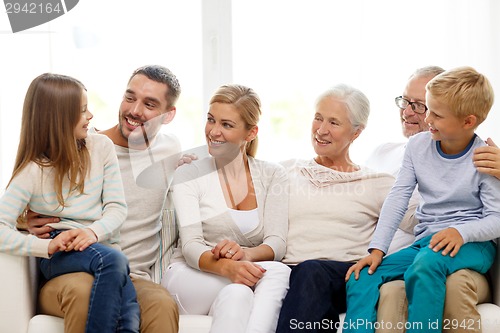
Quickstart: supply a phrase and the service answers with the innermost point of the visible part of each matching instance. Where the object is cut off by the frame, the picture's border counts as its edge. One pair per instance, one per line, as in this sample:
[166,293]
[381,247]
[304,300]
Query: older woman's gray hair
[356,102]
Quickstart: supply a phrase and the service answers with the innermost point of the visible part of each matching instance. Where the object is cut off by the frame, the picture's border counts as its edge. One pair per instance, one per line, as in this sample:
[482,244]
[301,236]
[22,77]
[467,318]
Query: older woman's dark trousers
[316,297]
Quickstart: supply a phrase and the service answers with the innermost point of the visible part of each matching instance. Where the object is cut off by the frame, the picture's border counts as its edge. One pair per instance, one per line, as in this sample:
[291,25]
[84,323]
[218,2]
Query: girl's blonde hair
[51,111]
[247,102]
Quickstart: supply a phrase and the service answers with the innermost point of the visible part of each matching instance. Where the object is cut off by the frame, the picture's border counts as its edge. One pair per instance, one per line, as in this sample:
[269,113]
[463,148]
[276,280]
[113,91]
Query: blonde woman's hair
[247,102]
[51,111]
[464,91]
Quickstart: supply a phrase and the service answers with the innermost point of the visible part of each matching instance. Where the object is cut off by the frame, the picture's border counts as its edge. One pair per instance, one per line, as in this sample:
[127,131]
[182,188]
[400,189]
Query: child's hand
[57,244]
[449,239]
[373,260]
[81,238]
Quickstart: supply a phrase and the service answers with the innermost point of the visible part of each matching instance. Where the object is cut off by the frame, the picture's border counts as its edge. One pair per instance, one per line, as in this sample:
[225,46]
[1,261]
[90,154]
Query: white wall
[289,51]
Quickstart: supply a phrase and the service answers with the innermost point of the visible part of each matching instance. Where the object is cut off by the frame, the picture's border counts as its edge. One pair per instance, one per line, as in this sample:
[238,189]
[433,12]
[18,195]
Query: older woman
[334,205]
[232,213]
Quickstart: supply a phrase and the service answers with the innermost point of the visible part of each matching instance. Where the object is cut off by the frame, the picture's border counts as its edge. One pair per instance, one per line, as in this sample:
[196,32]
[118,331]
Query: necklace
[228,188]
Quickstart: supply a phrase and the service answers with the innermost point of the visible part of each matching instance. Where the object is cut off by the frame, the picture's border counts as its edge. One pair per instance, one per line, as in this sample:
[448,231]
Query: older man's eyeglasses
[417,107]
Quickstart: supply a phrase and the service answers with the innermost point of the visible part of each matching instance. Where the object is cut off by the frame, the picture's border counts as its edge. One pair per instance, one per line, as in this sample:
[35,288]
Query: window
[289,51]
[101,43]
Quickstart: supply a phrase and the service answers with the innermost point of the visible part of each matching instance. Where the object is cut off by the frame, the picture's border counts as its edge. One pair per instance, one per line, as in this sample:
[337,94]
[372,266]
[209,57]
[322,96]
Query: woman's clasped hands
[238,267]
[229,250]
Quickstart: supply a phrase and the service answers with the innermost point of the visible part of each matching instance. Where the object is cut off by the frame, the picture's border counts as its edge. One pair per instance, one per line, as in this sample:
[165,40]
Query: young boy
[459,215]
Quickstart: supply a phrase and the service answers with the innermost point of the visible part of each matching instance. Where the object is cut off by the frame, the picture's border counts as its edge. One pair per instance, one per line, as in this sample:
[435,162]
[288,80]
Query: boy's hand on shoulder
[373,260]
[449,240]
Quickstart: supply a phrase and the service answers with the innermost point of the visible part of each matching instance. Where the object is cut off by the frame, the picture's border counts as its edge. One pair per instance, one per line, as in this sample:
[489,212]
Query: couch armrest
[490,312]
[495,277]
[19,282]
[168,237]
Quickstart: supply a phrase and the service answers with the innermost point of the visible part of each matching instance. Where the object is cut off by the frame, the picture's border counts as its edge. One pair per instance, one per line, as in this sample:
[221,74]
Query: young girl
[61,171]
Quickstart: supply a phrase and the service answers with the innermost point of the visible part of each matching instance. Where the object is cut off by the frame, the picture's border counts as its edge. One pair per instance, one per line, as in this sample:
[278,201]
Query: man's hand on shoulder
[487,159]
[186,159]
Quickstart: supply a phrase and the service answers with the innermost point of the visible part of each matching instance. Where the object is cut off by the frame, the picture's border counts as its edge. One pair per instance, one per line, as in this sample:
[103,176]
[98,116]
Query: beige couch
[18,293]
[18,290]
[19,280]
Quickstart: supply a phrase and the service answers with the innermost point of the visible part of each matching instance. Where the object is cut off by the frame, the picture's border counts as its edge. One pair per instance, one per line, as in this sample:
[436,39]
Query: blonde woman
[233,217]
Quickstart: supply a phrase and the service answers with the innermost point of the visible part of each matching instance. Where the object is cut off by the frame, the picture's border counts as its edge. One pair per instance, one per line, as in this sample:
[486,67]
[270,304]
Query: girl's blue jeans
[113,305]
[424,272]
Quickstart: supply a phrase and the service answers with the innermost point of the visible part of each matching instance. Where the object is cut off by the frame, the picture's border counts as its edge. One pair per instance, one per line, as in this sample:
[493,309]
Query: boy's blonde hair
[465,91]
